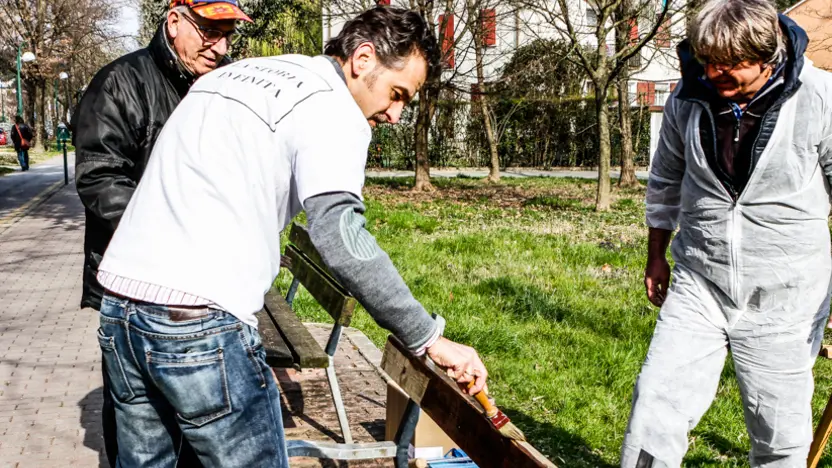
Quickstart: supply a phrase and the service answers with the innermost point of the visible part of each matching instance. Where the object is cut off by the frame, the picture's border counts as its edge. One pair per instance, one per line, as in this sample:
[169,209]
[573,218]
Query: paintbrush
[497,418]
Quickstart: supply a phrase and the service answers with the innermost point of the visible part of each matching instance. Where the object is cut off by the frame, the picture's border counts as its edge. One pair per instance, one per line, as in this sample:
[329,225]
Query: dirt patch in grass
[543,193]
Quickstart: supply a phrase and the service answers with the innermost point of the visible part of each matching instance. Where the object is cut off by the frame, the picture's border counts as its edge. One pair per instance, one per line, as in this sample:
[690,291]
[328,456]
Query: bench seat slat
[277,353]
[306,352]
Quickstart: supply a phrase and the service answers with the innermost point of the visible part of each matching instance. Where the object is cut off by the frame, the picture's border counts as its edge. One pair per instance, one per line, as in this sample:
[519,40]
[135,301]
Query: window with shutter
[633,31]
[642,93]
[446,28]
[488,27]
[591,17]
[475,92]
[663,33]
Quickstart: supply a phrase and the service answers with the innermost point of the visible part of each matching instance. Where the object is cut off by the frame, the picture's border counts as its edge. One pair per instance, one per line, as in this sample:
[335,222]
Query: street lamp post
[62,76]
[2,101]
[61,133]
[25,57]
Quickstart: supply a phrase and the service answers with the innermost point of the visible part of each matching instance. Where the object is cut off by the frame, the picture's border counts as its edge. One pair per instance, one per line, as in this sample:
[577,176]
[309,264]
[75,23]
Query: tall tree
[622,40]
[429,94]
[59,33]
[151,13]
[482,20]
[282,27]
[604,66]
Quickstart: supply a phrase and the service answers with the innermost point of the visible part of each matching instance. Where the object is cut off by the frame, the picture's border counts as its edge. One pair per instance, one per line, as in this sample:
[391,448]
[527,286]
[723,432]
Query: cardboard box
[429,441]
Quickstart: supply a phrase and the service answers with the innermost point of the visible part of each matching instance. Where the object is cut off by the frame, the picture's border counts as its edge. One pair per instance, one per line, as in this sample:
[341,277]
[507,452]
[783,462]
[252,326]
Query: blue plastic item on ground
[455,458]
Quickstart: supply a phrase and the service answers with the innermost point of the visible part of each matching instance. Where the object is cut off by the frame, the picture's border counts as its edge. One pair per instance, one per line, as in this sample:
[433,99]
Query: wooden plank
[299,237]
[277,353]
[306,352]
[459,415]
[821,436]
[414,383]
[331,296]
[826,351]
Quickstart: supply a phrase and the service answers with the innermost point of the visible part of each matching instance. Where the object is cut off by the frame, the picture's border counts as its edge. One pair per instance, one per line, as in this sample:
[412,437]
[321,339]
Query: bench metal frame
[334,388]
[304,251]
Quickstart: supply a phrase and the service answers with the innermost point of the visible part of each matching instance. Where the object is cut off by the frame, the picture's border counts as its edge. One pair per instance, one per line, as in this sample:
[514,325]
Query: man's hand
[657,279]
[461,363]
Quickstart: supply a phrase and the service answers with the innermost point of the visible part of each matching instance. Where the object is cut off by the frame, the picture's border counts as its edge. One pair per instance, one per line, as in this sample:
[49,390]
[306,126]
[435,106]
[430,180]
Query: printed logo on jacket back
[269,87]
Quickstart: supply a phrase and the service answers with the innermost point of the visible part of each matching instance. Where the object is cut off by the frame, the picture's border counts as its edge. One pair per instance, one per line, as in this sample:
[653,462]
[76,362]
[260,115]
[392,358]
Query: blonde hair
[732,31]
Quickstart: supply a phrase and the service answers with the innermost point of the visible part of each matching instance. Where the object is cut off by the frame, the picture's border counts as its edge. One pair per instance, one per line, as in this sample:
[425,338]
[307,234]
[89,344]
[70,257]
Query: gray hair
[732,31]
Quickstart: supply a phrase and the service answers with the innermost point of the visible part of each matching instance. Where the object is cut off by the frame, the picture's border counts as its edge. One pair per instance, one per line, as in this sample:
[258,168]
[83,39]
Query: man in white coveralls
[742,169]
[249,147]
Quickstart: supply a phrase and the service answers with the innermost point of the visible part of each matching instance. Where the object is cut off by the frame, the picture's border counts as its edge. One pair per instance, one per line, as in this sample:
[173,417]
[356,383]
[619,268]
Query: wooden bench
[289,344]
[825,425]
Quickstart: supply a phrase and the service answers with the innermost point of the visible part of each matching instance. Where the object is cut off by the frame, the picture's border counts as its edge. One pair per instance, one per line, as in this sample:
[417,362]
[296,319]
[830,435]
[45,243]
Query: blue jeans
[23,159]
[202,376]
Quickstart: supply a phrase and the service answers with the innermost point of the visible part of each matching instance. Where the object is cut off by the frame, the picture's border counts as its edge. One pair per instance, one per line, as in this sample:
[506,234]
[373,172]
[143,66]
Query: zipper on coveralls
[733,228]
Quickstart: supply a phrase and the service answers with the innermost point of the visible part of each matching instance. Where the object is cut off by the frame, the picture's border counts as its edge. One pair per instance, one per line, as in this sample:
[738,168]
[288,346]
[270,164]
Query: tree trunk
[494,160]
[602,200]
[627,178]
[423,119]
[40,122]
[628,170]
[494,169]
[29,103]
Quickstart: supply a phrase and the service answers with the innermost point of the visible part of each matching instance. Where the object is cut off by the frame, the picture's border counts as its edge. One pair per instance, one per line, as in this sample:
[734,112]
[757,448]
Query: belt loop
[128,307]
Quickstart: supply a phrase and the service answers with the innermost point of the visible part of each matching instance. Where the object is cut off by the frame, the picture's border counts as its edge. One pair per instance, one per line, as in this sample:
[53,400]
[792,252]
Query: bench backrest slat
[337,302]
[299,237]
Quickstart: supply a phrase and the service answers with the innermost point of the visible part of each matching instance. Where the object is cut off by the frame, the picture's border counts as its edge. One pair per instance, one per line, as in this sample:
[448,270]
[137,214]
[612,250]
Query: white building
[654,72]
[506,28]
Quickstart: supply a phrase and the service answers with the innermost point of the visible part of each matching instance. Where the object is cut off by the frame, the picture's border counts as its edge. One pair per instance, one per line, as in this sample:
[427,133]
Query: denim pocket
[252,337]
[195,384]
[119,384]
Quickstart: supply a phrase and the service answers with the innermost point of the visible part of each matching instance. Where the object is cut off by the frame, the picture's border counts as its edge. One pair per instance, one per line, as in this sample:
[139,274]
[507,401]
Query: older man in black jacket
[117,123]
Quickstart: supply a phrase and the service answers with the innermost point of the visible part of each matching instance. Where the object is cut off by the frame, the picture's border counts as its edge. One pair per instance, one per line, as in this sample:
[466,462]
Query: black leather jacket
[114,129]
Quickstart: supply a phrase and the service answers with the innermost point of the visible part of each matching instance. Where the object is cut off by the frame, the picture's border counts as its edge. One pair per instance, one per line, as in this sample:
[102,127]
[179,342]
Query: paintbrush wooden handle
[482,398]
[490,410]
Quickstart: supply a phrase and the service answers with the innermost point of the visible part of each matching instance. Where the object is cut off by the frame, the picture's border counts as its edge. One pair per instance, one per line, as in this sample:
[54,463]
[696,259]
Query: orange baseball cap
[214,9]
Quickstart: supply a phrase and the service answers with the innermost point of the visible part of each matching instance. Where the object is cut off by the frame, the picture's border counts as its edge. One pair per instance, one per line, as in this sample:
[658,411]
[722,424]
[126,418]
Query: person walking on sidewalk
[21,140]
[199,244]
[743,168]
[118,121]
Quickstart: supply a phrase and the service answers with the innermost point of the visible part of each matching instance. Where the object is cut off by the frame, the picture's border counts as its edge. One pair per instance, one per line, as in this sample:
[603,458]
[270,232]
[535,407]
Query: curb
[10,219]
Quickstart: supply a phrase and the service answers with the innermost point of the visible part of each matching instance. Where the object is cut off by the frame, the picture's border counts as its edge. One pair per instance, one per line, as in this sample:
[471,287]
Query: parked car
[3,140]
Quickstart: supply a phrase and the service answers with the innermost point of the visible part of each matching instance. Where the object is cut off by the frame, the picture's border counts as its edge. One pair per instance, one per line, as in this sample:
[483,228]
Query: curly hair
[396,34]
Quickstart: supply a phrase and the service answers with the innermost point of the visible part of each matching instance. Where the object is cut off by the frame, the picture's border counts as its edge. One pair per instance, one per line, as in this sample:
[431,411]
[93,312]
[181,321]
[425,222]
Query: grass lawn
[550,293]
[8,158]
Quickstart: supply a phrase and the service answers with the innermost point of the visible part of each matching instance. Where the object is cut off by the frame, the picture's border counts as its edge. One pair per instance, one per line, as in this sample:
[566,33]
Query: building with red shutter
[500,28]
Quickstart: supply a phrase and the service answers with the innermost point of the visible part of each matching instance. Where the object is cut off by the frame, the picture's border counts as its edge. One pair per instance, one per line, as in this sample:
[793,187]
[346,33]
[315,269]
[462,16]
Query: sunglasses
[212,36]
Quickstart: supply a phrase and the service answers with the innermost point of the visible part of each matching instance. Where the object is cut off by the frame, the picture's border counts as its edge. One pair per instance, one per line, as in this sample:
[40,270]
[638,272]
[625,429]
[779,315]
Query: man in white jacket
[742,169]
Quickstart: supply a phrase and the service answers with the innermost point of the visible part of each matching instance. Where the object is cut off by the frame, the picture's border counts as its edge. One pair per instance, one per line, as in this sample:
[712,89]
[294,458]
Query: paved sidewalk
[18,188]
[50,375]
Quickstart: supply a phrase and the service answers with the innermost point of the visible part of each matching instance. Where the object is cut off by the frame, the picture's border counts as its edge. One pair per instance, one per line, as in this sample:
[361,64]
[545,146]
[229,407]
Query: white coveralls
[753,274]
